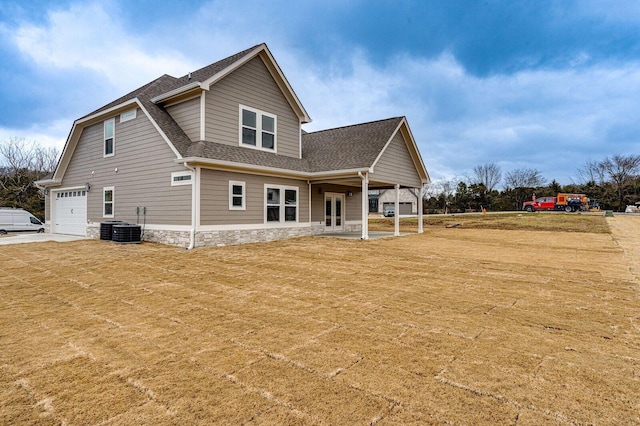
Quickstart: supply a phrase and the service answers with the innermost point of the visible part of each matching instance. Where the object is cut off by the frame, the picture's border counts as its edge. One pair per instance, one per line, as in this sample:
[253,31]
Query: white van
[17,220]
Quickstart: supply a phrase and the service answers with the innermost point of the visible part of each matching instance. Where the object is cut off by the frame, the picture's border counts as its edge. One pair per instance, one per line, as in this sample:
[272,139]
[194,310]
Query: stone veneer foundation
[225,238]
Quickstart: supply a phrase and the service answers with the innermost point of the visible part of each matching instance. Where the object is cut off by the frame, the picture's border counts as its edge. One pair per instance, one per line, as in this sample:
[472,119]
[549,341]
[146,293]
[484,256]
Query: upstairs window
[257,129]
[109,137]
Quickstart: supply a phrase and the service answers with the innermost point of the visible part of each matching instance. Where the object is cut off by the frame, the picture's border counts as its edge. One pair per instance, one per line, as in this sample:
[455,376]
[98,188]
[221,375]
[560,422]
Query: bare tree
[592,171]
[446,190]
[488,174]
[17,154]
[523,178]
[21,164]
[621,170]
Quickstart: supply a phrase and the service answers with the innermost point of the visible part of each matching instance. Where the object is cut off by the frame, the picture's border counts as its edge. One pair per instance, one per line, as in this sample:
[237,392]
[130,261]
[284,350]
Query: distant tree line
[614,182]
[21,164]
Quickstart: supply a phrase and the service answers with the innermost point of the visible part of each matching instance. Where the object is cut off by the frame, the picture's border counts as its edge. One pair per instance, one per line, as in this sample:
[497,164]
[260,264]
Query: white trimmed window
[257,129]
[107,201]
[128,115]
[109,137]
[281,203]
[237,195]
[181,178]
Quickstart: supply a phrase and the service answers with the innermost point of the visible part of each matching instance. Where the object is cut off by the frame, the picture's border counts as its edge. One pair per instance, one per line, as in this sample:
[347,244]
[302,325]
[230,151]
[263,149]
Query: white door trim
[332,218]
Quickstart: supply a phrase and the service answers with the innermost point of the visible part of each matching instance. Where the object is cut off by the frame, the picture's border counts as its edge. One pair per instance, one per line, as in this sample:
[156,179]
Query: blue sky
[536,84]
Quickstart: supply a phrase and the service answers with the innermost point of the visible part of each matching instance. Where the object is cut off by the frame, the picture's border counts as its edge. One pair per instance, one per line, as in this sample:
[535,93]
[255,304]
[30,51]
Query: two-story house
[219,156]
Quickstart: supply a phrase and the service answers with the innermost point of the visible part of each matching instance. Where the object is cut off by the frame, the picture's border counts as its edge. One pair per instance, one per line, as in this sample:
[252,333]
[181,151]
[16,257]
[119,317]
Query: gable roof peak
[205,72]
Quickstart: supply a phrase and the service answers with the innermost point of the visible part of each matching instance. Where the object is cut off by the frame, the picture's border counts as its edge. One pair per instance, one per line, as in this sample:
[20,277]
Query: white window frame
[282,204]
[233,183]
[258,129]
[111,121]
[104,201]
[178,182]
[128,115]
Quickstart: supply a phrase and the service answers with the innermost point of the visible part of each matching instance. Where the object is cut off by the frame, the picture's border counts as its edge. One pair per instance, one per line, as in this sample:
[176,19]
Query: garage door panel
[70,212]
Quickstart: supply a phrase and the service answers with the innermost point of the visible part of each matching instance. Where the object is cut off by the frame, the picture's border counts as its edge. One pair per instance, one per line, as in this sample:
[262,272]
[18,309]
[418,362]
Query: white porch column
[365,205]
[396,214]
[420,195]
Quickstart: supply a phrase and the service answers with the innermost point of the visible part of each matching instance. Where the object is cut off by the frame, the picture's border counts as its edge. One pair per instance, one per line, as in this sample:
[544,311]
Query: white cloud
[527,119]
[51,135]
[88,36]
[551,119]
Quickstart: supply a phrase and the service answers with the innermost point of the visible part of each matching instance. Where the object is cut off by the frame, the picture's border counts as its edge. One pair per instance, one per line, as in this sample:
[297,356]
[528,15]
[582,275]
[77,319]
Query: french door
[334,212]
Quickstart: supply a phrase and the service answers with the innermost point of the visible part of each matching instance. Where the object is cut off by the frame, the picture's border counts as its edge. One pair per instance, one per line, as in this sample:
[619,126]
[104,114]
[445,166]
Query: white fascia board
[74,135]
[176,92]
[305,116]
[80,124]
[44,183]
[386,145]
[339,173]
[234,66]
[107,111]
[414,145]
[268,170]
[67,152]
[280,78]
[415,155]
[241,167]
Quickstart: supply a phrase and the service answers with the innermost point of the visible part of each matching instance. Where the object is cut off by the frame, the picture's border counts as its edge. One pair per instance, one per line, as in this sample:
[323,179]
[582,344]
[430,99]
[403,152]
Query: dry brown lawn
[454,326]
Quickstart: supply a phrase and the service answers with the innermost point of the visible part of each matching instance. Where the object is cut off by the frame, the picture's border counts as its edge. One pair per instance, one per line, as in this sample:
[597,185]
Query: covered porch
[341,206]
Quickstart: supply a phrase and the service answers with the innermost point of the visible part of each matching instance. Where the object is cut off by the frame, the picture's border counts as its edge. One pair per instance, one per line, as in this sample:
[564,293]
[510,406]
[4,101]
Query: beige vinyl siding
[187,115]
[353,210]
[251,85]
[214,198]
[144,163]
[396,165]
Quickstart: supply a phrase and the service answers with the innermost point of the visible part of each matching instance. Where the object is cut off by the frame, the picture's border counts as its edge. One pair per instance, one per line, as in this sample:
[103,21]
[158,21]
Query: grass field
[559,222]
[513,323]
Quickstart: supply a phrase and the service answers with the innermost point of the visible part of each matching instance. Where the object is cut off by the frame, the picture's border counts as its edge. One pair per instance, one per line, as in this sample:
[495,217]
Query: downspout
[192,232]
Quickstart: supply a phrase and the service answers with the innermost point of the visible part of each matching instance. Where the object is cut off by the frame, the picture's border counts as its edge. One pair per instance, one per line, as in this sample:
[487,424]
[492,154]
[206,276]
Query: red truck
[566,202]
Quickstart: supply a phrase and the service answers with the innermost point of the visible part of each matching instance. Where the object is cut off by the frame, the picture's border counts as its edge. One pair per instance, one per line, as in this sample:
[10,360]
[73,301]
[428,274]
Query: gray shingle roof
[348,147]
[343,148]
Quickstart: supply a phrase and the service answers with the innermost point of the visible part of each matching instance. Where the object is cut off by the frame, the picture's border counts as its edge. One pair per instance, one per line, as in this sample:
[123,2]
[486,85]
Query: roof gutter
[274,170]
[44,183]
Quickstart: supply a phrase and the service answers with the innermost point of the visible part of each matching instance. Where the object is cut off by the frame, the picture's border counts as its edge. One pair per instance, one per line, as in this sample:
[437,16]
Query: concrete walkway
[29,237]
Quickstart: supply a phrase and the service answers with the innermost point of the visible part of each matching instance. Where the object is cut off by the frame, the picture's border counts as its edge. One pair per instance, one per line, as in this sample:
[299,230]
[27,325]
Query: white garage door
[70,212]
